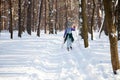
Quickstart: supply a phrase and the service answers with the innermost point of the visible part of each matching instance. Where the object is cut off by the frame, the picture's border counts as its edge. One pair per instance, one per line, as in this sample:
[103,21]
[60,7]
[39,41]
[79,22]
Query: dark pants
[69,35]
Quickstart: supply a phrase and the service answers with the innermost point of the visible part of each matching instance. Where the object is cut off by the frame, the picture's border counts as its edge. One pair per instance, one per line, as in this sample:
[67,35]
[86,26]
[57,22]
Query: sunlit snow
[46,58]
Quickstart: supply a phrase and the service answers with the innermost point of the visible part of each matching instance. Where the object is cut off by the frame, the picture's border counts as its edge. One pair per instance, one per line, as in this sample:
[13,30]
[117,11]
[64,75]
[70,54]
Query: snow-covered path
[45,58]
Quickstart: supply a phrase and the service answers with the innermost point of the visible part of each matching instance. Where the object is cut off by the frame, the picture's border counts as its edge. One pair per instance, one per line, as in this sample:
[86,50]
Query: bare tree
[29,16]
[10,25]
[45,2]
[92,20]
[84,26]
[56,8]
[66,12]
[51,17]
[40,12]
[80,22]
[112,36]
[0,16]
[19,19]
[118,18]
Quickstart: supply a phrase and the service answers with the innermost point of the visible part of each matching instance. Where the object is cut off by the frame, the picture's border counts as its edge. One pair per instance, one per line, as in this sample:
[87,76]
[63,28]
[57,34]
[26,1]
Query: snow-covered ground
[46,58]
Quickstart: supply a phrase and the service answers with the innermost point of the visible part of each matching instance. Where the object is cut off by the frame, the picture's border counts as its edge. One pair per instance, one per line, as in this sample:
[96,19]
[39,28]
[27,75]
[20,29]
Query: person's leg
[71,40]
[68,44]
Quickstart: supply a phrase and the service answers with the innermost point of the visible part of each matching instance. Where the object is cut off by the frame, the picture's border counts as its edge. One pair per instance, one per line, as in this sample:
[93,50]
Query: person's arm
[65,33]
[72,29]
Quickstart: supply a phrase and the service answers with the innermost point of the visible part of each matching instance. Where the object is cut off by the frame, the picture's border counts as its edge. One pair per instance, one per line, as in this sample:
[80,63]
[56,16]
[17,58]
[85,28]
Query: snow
[46,58]
[113,34]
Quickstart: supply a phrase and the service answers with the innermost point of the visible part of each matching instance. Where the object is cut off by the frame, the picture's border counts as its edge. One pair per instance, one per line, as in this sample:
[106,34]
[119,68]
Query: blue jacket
[68,33]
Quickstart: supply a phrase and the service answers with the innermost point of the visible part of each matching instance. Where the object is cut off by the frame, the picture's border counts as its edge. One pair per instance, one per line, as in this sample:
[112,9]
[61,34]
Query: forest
[51,16]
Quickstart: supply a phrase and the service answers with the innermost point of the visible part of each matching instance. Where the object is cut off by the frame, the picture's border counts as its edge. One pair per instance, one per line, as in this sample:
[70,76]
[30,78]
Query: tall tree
[23,15]
[40,12]
[56,7]
[99,12]
[10,25]
[45,16]
[92,20]
[0,16]
[112,35]
[19,19]
[29,16]
[80,20]
[33,15]
[51,17]
[118,17]
[66,12]
[84,26]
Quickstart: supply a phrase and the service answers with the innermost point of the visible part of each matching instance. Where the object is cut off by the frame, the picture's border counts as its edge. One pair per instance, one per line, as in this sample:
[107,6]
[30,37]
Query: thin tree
[56,7]
[92,20]
[84,26]
[23,15]
[45,2]
[19,19]
[118,17]
[29,16]
[40,13]
[0,16]
[51,17]
[10,25]
[80,23]
[33,15]
[112,35]
[66,12]
[99,7]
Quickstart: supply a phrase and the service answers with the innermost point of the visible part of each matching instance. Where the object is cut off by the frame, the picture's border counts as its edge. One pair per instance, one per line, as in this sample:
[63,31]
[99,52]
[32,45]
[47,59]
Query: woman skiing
[68,37]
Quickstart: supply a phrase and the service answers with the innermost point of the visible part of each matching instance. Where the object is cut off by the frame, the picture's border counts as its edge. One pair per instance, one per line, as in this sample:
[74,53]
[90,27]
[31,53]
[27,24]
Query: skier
[68,37]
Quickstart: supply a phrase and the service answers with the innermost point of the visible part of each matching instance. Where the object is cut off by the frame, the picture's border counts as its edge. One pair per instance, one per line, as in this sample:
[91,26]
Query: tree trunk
[56,6]
[112,35]
[50,17]
[19,19]
[45,16]
[33,15]
[80,23]
[84,26]
[0,17]
[98,7]
[92,21]
[40,12]
[10,25]
[118,17]
[29,17]
[66,12]
[23,15]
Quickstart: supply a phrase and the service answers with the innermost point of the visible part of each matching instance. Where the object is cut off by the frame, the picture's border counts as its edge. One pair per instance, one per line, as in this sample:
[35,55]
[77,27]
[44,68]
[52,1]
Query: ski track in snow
[33,58]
